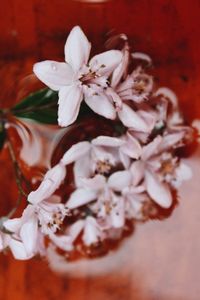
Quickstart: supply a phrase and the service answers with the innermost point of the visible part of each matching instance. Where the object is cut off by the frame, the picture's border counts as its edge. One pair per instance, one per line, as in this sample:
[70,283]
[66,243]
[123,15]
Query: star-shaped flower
[77,79]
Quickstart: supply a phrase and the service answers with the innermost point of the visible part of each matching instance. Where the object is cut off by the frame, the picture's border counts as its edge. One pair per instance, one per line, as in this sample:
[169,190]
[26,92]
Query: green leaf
[40,106]
[37,99]
[2,135]
[46,116]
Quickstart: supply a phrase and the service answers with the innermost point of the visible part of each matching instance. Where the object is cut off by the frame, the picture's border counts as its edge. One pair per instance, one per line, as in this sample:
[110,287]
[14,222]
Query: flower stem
[17,170]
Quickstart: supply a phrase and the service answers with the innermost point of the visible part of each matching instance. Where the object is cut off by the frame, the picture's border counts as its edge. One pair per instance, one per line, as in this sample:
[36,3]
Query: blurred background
[168,30]
[162,260]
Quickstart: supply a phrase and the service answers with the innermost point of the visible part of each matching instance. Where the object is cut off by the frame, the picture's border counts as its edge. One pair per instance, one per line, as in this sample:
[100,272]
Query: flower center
[108,207]
[103,167]
[167,167]
[140,85]
[56,221]
[88,77]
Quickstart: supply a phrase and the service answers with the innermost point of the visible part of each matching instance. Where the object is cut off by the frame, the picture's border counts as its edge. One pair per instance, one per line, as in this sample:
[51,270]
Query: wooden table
[161,261]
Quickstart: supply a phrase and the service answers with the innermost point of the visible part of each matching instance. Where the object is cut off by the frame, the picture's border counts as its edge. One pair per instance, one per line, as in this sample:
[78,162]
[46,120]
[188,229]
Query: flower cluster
[117,178]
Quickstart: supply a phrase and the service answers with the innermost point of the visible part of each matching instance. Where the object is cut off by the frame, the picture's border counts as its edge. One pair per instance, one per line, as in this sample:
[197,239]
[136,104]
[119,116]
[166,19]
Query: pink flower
[174,171]
[88,227]
[23,241]
[135,199]
[17,247]
[128,147]
[134,88]
[135,196]
[89,158]
[92,232]
[76,78]
[108,206]
[149,167]
[38,219]
[101,155]
[168,115]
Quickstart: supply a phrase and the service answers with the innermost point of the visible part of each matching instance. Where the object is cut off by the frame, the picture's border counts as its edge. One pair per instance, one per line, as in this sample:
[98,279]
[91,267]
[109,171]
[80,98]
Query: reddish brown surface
[162,260]
[166,29]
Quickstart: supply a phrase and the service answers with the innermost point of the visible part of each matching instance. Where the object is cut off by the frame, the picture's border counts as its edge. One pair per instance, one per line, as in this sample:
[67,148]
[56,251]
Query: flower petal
[142,56]
[82,169]
[140,136]
[52,180]
[77,48]
[13,225]
[125,160]
[137,170]
[107,141]
[132,148]
[103,154]
[119,180]
[106,62]
[18,250]
[122,68]
[54,74]
[117,213]
[76,152]
[114,97]
[80,197]
[149,119]
[42,192]
[172,140]
[183,172]
[92,232]
[169,94]
[69,102]
[96,183]
[101,105]
[131,119]
[75,229]
[152,148]
[63,242]
[158,190]
[1,242]
[29,234]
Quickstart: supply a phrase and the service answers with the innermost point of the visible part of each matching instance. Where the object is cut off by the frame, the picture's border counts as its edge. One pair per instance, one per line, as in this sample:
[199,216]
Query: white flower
[101,155]
[135,201]
[38,220]
[23,241]
[168,116]
[150,167]
[108,205]
[174,171]
[128,147]
[77,78]
[134,88]
[146,168]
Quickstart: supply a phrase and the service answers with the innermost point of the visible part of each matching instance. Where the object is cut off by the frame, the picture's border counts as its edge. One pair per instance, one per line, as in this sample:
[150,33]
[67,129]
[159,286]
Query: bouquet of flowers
[125,169]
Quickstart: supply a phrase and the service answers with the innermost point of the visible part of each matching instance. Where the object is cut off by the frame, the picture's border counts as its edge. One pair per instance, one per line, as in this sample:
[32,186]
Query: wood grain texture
[162,259]
[162,28]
